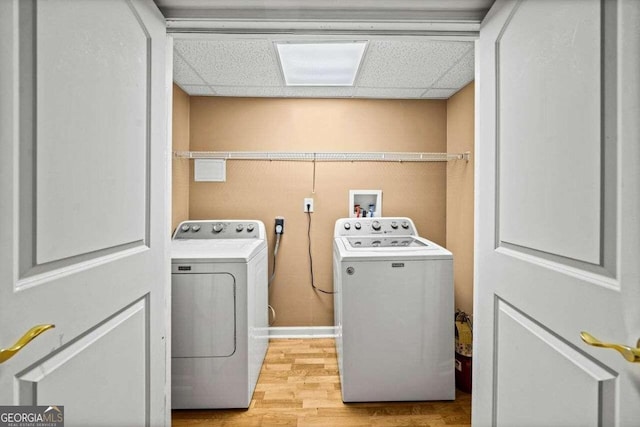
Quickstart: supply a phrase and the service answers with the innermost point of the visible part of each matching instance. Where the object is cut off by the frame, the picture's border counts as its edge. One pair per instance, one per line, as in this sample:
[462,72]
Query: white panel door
[83,214]
[558,213]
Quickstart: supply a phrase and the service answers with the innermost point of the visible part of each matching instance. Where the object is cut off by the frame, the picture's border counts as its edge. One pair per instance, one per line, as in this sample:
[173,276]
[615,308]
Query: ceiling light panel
[409,64]
[320,64]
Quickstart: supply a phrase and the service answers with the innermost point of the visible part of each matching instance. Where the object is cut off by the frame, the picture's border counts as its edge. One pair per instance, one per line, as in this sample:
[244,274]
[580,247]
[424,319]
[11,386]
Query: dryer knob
[357,225]
[195,228]
[217,228]
[405,224]
[394,225]
[250,227]
[185,228]
[375,225]
[239,227]
[347,226]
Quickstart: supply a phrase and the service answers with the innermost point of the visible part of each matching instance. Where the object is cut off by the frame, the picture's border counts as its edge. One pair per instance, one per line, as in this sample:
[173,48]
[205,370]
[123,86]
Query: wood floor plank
[299,385]
[334,421]
[405,420]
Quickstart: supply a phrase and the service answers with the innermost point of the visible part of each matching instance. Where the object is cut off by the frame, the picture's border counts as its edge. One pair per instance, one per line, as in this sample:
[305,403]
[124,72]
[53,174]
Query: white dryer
[394,312]
[219,312]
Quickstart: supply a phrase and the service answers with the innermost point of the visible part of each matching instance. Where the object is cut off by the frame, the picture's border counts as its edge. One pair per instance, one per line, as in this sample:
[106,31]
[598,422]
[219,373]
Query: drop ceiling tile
[379,92]
[409,64]
[243,62]
[461,73]
[183,74]
[197,90]
[440,93]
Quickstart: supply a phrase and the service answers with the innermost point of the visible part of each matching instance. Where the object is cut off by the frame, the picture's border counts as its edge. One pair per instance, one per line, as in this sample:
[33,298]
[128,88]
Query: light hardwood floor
[299,386]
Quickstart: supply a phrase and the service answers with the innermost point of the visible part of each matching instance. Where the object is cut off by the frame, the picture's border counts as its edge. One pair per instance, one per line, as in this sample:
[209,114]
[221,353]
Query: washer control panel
[220,229]
[394,226]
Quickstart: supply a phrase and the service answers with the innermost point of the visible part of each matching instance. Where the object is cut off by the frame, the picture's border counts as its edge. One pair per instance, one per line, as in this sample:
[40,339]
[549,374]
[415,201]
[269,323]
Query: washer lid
[226,250]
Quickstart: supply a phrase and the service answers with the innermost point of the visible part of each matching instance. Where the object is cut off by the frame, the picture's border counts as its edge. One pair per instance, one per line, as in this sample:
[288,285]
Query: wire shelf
[324,156]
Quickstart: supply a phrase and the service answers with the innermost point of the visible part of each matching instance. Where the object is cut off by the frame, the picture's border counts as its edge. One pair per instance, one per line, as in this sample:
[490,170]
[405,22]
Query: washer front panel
[397,336]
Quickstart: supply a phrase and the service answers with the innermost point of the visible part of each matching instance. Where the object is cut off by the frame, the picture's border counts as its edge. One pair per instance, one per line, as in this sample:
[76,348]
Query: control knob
[405,224]
[394,225]
[358,226]
[375,225]
[185,227]
[239,227]
[195,228]
[217,228]
[347,226]
[250,227]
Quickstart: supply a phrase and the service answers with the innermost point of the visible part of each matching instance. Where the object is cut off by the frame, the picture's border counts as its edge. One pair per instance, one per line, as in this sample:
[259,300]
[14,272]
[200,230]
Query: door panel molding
[48,192]
[568,265]
[45,273]
[528,349]
[598,276]
[604,253]
[94,357]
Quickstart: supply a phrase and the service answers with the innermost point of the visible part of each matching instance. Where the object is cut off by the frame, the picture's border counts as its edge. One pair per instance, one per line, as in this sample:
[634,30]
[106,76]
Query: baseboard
[302,332]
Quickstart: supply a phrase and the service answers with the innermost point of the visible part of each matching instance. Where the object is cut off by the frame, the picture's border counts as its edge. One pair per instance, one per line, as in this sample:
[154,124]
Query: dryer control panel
[391,226]
[220,229]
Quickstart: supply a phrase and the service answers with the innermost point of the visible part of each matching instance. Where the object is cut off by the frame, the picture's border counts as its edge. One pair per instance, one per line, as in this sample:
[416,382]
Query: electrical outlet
[308,205]
[279,225]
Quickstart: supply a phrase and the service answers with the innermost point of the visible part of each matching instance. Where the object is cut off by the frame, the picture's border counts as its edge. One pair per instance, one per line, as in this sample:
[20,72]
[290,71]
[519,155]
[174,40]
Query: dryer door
[203,315]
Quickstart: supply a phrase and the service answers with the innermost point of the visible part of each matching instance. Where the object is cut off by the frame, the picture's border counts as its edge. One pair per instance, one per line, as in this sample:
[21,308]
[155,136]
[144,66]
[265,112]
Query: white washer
[219,312]
[393,312]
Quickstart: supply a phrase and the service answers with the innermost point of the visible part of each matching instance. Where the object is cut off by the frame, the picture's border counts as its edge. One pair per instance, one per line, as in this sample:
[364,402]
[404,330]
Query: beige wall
[460,138]
[264,190]
[180,167]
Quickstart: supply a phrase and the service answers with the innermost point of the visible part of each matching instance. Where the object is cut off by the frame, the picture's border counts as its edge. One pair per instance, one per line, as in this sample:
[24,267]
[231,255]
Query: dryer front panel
[203,315]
